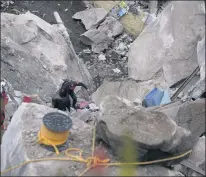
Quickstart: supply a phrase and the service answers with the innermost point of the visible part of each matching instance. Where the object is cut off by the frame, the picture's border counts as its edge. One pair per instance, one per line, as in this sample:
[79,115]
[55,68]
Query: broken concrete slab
[112,26]
[158,47]
[91,18]
[192,117]
[102,37]
[149,130]
[36,57]
[99,40]
[189,115]
[128,89]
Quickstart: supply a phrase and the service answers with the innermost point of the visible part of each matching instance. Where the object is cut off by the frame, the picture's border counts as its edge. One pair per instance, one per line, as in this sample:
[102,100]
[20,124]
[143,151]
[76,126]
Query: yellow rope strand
[93,161]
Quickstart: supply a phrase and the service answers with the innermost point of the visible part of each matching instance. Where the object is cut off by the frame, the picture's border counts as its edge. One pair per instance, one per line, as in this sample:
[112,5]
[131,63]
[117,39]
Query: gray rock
[127,89]
[102,37]
[99,40]
[158,46]
[84,115]
[189,115]
[149,130]
[153,7]
[192,117]
[170,110]
[91,18]
[112,26]
[33,40]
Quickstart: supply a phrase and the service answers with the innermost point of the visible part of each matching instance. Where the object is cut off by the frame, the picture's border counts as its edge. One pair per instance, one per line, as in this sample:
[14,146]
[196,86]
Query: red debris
[27,99]
[99,170]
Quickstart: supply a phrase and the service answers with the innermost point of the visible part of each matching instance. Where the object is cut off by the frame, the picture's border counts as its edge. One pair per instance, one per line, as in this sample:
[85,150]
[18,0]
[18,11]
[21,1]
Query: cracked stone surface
[29,61]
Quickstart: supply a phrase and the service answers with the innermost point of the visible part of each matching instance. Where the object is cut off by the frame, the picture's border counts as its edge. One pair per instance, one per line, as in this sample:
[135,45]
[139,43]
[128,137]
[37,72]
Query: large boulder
[128,89]
[149,130]
[35,57]
[169,43]
[91,18]
[189,115]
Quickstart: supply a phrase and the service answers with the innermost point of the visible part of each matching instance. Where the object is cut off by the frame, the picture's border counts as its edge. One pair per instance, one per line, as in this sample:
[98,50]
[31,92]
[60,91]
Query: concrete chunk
[91,18]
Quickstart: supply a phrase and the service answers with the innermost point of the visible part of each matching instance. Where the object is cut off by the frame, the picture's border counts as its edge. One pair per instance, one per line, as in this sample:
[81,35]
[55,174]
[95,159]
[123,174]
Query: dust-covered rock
[28,59]
[158,46]
[99,40]
[128,89]
[91,18]
[149,130]
[112,26]
[189,115]
[103,36]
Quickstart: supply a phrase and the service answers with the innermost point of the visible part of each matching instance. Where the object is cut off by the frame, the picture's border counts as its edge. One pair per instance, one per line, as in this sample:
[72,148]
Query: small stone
[66,10]
[58,4]
[87,51]
[17,93]
[101,57]
[122,46]
[116,70]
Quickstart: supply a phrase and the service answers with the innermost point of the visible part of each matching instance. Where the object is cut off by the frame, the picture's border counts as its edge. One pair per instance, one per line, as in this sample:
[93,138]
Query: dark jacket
[69,86]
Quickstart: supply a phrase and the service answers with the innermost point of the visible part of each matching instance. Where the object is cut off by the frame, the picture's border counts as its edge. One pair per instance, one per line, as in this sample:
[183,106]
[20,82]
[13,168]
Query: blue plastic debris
[153,98]
[165,98]
[156,97]
[122,12]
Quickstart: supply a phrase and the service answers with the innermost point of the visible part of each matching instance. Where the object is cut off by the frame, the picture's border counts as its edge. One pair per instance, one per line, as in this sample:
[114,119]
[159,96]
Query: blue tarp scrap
[156,97]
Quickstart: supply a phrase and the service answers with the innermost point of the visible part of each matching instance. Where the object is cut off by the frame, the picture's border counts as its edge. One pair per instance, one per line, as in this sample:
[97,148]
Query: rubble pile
[149,89]
[104,65]
[108,56]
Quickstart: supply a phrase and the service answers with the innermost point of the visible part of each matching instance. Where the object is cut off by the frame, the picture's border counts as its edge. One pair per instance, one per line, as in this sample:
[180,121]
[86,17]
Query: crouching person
[62,103]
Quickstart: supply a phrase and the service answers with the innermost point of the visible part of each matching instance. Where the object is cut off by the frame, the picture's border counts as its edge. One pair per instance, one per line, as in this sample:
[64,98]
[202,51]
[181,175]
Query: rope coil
[50,138]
